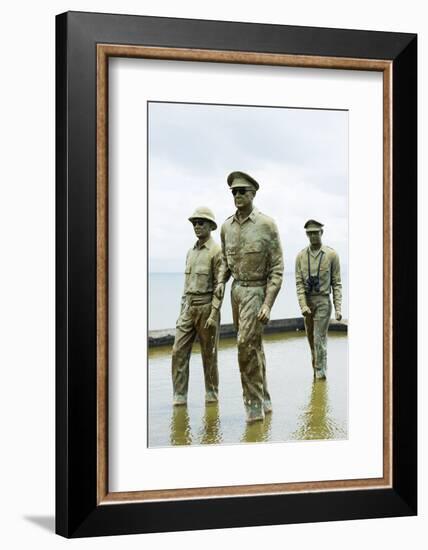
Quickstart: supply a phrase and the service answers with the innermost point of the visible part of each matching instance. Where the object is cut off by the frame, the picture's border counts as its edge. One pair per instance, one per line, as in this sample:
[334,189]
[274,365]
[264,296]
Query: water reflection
[258,431]
[302,410]
[316,421]
[211,425]
[211,431]
[180,427]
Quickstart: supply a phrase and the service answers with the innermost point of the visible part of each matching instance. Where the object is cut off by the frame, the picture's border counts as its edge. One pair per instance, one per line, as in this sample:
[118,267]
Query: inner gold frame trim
[104,51]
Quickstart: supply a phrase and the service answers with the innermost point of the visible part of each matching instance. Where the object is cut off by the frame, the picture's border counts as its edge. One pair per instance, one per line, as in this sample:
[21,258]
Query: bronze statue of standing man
[200,310]
[317,274]
[252,255]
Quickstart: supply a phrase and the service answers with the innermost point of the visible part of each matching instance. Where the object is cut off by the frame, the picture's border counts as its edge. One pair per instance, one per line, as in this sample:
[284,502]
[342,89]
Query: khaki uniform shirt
[329,275]
[202,270]
[252,252]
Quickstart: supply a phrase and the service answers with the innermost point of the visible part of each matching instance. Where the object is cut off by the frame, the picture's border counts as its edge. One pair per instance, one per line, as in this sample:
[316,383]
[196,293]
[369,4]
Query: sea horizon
[166,289]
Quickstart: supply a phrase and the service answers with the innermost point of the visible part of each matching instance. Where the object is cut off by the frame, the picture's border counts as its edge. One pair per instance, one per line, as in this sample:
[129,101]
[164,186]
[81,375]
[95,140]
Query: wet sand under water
[303,409]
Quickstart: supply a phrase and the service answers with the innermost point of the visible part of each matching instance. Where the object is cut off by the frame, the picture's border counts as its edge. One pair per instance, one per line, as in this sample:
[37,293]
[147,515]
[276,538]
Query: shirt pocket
[303,267]
[254,259]
[187,275]
[231,257]
[203,279]
[325,275]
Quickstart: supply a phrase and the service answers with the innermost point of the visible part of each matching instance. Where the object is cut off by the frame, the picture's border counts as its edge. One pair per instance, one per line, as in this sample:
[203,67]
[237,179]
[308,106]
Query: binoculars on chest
[312,283]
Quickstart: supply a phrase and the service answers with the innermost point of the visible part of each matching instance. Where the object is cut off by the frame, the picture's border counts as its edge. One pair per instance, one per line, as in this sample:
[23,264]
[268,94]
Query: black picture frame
[78,513]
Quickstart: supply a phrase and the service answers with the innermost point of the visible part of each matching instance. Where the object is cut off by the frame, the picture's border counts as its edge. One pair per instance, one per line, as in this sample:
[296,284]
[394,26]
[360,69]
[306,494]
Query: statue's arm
[300,287]
[336,285]
[276,268]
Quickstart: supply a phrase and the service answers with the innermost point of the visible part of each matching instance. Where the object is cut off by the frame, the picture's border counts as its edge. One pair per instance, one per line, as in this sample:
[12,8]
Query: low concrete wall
[166,337]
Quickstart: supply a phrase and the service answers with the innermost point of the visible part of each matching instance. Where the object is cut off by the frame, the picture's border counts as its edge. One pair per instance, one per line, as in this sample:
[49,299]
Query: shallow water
[303,409]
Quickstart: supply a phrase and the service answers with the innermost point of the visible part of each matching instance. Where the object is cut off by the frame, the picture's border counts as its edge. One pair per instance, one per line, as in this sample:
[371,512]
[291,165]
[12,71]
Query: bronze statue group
[250,254]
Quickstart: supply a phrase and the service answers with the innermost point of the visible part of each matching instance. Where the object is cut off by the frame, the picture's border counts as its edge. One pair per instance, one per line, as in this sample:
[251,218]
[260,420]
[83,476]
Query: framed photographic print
[236,237]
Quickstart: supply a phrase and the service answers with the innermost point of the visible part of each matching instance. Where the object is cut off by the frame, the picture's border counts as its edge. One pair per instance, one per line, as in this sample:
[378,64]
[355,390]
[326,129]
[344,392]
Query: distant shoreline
[165,337]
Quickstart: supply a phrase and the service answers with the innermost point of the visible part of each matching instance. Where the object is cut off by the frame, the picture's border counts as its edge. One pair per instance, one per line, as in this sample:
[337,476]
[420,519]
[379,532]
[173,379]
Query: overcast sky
[298,156]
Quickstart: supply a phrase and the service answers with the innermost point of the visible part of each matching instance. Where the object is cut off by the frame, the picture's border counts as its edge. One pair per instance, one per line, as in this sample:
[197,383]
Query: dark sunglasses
[240,190]
[198,222]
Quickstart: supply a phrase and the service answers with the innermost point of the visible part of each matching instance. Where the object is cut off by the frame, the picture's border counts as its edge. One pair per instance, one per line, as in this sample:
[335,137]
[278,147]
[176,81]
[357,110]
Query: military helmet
[203,213]
[313,225]
[241,179]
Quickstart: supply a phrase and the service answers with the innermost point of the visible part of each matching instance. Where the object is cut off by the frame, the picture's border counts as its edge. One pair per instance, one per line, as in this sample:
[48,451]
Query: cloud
[299,157]
[199,136]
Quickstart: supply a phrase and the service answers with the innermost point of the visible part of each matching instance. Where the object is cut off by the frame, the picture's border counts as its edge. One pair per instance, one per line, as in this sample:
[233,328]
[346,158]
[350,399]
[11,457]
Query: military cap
[313,225]
[203,213]
[241,179]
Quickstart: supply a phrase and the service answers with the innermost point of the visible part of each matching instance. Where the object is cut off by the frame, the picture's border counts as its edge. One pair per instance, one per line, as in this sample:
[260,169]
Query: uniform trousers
[246,304]
[189,325]
[316,325]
